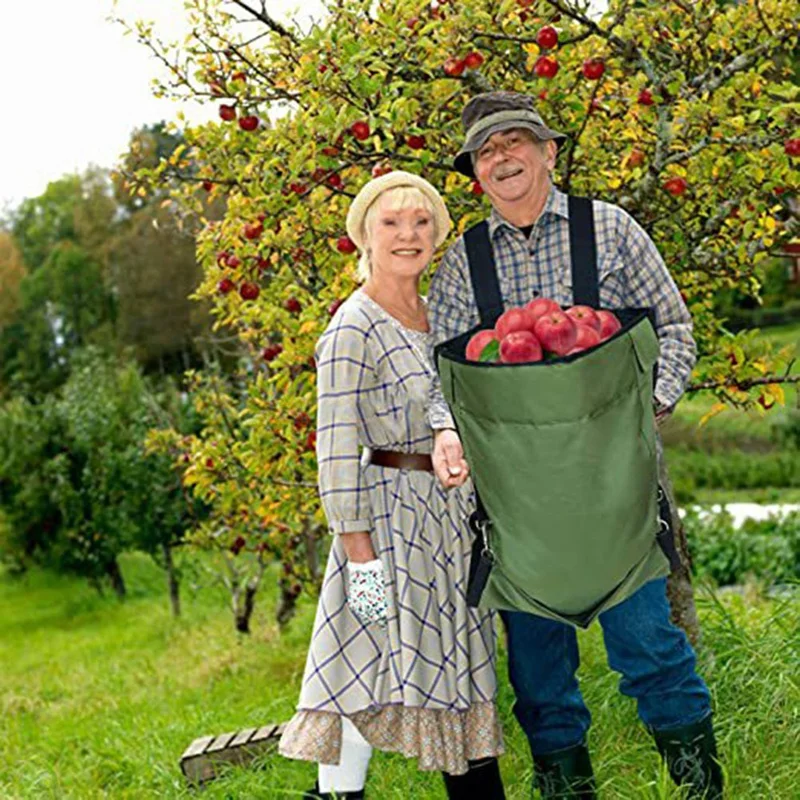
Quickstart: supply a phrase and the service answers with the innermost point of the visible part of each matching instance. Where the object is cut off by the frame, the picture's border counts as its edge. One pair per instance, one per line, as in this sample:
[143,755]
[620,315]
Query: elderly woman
[397,660]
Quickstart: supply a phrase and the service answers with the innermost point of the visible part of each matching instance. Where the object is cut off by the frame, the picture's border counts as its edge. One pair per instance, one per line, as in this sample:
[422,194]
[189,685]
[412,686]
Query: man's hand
[662,413]
[448,459]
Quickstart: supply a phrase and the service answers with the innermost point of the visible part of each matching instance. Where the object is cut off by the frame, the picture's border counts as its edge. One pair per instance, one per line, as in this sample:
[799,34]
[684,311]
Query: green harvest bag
[562,455]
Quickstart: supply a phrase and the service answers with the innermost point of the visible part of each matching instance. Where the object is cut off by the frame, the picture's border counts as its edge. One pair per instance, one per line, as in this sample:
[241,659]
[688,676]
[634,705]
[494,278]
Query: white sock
[350,774]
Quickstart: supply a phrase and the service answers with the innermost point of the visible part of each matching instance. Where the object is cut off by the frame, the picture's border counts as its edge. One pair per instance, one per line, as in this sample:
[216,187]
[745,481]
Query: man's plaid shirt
[630,269]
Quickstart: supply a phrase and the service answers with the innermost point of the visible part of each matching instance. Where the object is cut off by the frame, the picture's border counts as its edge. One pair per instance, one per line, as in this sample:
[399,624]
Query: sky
[80,87]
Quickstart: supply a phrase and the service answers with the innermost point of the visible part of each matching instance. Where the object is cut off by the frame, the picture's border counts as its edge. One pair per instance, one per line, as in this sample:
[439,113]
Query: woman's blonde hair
[397,198]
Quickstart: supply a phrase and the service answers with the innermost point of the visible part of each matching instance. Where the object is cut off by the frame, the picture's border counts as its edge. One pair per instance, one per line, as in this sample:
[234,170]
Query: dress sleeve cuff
[350,526]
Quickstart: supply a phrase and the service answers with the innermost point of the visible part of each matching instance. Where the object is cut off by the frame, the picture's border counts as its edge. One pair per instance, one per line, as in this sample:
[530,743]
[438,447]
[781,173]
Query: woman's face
[401,241]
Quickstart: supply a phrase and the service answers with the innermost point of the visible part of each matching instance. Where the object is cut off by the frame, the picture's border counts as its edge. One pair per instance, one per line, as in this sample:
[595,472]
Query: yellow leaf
[717,408]
[308,327]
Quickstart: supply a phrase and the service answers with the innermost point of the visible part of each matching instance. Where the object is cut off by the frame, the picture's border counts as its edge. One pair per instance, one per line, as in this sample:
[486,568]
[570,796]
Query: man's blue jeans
[654,657]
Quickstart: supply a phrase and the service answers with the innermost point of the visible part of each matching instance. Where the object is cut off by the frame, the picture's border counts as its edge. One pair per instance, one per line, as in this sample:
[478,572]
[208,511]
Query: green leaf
[491,352]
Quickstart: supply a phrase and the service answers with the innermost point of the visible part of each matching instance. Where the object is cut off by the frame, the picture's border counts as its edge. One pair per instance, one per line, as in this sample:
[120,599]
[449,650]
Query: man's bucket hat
[486,114]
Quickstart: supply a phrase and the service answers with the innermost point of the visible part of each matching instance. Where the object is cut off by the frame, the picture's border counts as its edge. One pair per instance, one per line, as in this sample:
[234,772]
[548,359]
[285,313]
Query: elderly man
[510,150]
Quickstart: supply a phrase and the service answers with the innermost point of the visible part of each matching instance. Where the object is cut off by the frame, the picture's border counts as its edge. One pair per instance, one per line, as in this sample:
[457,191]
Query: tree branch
[743,385]
[262,15]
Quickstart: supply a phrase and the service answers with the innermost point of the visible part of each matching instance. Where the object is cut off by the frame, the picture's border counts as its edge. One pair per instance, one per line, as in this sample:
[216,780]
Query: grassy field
[98,699]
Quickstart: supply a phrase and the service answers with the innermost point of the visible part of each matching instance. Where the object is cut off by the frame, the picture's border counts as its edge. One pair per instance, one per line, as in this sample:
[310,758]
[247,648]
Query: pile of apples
[541,328]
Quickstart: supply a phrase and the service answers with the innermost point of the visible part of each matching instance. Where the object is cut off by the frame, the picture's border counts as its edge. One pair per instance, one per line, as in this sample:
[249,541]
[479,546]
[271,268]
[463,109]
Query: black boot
[482,780]
[316,794]
[565,774]
[691,756]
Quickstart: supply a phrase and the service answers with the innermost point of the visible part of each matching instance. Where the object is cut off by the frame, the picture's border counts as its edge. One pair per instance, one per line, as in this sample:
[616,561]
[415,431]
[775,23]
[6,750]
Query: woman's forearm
[358,546]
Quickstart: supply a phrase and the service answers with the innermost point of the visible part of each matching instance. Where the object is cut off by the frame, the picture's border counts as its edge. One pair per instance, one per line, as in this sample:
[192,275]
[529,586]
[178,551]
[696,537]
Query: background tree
[684,114]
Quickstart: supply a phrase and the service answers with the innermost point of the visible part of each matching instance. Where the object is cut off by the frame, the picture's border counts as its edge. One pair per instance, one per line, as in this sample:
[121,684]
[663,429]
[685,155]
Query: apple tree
[686,114]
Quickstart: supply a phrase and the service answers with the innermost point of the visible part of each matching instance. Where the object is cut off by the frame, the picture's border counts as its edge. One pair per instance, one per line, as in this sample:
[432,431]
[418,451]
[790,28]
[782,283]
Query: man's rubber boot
[316,794]
[565,774]
[482,780]
[691,756]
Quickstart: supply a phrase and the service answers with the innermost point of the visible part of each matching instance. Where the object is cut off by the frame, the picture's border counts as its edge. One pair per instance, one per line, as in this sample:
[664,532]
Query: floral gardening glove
[366,593]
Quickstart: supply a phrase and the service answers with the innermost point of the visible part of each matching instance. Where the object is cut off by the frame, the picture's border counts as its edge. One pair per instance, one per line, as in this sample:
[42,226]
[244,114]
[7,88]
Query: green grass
[98,699]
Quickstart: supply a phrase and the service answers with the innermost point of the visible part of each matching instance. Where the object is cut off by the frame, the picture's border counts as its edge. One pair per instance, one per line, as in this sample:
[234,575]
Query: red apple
[292,305]
[249,123]
[478,342]
[252,230]
[222,258]
[545,67]
[557,332]
[476,188]
[584,315]
[473,60]
[676,186]
[792,148]
[334,181]
[249,291]
[547,37]
[415,142]
[208,185]
[360,130]
[233,262]
[262,263]
[334,306]
[329,151]
[515,319]
[520,347]
[593,69]
[298,188]
[646,97]
[587,337]
[344,244]
[453,67]
[302,420]
[540,306]
[225,286]
[271,352]
[227,113]
[311,441]
[381,169]
[609,324]
[636,157]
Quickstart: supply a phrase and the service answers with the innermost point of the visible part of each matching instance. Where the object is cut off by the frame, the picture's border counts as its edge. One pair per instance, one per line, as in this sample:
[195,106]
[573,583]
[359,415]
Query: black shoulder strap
[583,253]
[483,272]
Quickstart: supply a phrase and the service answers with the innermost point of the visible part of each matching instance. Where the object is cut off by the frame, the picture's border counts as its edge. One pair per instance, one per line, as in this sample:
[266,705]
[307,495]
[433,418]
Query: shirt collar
[556,205]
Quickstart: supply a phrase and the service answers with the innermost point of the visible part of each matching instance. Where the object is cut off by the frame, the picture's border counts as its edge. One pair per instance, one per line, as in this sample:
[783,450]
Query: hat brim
[374,188]
[463,161]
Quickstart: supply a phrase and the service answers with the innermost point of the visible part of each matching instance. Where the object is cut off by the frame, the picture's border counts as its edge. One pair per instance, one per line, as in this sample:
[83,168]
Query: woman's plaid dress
[425,685]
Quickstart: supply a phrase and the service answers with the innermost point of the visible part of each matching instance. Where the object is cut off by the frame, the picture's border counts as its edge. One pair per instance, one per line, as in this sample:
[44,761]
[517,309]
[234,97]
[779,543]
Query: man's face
[514,168]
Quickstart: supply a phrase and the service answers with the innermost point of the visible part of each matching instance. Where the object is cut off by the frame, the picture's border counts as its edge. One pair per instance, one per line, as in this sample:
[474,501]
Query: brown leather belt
[391,458]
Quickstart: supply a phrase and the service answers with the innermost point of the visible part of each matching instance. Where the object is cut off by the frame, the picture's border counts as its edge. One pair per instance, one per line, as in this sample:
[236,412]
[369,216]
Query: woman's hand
[448,459]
